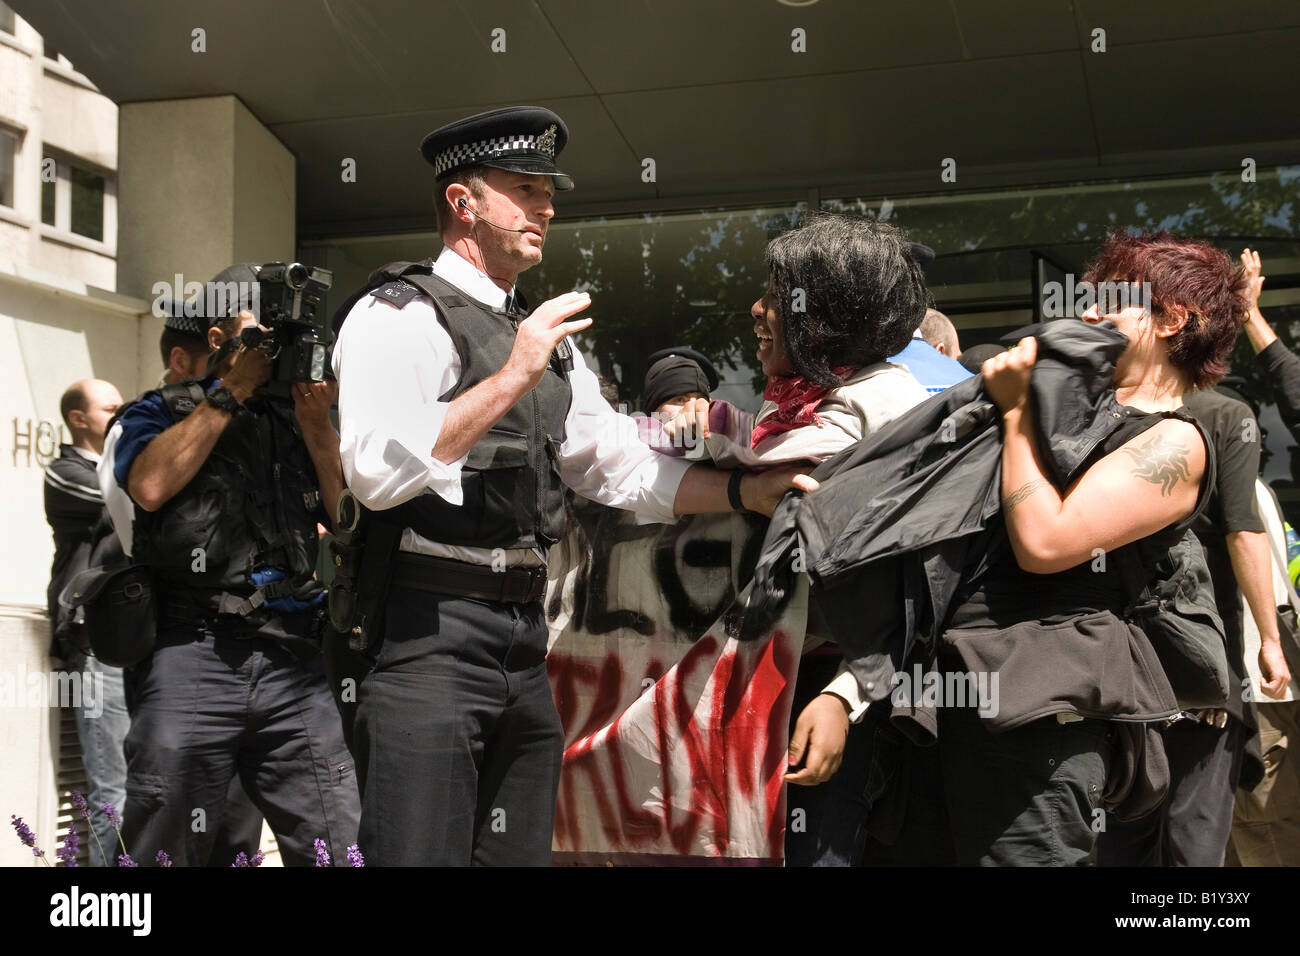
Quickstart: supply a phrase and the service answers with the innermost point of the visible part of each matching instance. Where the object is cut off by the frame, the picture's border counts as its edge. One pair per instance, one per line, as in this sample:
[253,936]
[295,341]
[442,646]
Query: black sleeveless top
[1063,642]
[1007,595]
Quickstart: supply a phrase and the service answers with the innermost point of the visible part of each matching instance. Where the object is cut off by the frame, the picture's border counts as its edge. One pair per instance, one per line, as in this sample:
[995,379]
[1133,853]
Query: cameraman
[227,489]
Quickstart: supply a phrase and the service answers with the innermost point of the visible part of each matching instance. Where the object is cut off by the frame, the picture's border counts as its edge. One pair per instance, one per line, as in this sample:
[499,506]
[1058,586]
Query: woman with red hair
[1032,794]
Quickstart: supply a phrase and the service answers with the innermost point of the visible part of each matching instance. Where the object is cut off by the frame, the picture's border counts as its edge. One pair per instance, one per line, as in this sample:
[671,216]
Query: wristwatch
[223,398]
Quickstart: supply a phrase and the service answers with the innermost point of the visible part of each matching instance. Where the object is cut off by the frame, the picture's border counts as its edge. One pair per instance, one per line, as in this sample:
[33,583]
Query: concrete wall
[52,107]
[27,737]
[53,331]
[203,184]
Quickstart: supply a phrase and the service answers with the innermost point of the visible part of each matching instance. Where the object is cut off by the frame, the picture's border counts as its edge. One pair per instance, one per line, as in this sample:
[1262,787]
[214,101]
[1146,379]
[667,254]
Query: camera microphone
[464,205]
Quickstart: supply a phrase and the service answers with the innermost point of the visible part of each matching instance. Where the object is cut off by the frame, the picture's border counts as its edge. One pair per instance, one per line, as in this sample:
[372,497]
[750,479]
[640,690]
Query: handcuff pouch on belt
[362,551]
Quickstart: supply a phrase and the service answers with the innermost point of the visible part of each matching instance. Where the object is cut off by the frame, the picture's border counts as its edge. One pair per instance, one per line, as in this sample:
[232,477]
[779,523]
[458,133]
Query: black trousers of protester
[1192,826]
[1025,797]
[207,706]
[457,735]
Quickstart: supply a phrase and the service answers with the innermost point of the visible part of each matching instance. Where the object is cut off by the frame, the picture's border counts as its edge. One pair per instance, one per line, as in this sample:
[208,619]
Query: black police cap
[521,139]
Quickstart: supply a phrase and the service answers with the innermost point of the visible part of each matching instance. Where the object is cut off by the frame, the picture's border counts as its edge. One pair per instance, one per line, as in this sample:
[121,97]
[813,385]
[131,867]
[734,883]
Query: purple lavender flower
[79,805]
[354,856]
[71,845]
[257,858]
[113,818]
[29,838]
[125,860]
[241,860]
[322,853]
[162,859]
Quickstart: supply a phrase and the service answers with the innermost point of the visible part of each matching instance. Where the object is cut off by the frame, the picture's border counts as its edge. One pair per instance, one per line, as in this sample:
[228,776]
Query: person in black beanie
[675,376]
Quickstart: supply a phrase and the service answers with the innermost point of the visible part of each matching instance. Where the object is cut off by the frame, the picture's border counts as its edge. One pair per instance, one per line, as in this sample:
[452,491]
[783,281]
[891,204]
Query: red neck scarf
[796,403]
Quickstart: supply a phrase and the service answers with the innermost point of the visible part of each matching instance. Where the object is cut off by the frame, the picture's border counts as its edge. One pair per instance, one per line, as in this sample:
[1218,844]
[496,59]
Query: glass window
[655,281]
[8,151]
[49,189]
[663,280]
[87,203]
[690,278]
[986,241]
[6,19]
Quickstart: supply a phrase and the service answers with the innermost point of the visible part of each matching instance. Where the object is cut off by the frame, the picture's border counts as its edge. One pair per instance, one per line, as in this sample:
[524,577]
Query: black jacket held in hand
[911,514]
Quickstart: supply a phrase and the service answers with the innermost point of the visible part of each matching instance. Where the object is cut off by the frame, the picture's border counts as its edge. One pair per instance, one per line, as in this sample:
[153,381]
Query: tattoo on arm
[1161,462]
[1021,493]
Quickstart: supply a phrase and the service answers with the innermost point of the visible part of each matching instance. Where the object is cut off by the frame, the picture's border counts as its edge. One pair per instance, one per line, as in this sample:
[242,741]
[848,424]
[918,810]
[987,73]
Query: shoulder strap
[448,298]
[182,398]
[385,282]
[1210,478]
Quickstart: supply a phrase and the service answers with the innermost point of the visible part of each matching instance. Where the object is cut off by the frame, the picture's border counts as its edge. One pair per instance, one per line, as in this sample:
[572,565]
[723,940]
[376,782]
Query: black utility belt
[422,572]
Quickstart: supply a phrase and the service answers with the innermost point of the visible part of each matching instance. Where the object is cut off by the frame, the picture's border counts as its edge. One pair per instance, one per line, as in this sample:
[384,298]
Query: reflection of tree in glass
[689,279]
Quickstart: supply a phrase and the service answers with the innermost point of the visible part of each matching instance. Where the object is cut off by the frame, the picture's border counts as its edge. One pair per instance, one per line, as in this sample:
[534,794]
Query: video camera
[288,307]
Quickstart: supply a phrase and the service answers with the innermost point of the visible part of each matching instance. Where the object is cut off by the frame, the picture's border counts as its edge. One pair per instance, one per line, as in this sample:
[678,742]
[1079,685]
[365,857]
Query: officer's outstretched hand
[542,331]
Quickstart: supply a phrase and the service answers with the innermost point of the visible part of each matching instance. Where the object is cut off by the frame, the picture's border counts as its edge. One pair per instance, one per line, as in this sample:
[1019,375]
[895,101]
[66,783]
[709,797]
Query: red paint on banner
[734,749]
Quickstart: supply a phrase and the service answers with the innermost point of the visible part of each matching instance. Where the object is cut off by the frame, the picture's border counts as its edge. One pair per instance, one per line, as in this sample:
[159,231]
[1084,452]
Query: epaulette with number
[399,292]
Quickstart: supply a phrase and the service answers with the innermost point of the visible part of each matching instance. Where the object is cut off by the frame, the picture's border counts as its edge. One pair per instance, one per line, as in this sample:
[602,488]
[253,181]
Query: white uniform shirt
[393,364]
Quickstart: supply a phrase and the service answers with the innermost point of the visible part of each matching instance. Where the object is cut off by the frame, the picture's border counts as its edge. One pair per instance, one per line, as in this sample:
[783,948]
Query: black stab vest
[512,495]
[254,503]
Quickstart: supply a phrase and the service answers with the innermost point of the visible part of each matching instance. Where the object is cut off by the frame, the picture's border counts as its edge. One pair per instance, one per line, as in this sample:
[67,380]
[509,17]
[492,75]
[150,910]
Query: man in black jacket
[73,506]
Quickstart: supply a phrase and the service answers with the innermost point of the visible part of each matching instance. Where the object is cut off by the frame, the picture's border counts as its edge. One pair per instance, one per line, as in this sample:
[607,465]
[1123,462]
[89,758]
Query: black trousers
[457,736]
[207,706]
[1192,826]
[1026,797]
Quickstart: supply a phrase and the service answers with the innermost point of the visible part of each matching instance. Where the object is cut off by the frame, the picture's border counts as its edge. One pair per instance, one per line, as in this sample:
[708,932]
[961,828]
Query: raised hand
[541,332]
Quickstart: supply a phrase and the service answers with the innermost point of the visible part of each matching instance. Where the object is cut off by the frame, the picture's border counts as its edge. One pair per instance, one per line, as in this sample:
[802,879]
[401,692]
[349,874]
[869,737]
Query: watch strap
[733,490]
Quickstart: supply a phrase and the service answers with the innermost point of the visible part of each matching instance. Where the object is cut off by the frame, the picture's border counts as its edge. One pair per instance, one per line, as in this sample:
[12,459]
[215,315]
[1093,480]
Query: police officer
[462,418]
[227,489]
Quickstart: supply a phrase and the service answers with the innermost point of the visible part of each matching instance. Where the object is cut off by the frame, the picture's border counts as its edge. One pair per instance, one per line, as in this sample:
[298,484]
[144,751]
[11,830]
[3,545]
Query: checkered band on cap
[499,147]
[181,322]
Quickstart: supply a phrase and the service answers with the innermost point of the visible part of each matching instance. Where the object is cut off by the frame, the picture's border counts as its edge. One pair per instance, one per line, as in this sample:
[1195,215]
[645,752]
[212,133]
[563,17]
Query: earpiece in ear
[462,204]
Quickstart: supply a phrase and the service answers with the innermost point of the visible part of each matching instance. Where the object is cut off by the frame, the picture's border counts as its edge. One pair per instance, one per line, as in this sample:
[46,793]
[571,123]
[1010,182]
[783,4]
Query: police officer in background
[227,488]
[462,418]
